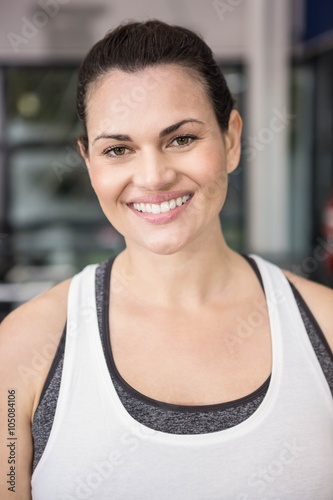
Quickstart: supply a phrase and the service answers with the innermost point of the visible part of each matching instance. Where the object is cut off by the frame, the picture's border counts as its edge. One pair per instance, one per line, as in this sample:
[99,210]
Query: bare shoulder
[319,298]
[29,338]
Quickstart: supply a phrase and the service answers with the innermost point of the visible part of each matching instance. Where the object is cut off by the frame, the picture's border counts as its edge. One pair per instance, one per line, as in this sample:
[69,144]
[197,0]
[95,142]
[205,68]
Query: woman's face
[157,158]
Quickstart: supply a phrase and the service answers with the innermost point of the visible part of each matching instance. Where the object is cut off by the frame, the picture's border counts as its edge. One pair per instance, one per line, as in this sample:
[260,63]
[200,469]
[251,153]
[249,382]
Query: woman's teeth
[165,206]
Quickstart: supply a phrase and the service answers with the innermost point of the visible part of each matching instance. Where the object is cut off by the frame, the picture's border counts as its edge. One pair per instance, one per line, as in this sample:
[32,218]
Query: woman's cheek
[99,177]
[95,182]
[108,184]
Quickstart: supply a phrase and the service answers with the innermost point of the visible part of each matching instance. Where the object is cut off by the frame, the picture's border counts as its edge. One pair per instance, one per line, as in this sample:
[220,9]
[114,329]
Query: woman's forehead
[144,81]
[168,89]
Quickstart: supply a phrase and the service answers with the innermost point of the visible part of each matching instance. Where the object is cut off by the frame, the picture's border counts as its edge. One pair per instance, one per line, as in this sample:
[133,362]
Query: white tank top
[96,450]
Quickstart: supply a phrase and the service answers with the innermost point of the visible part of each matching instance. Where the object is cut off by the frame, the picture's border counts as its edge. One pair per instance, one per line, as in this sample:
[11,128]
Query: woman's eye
[183,140]
[115,151]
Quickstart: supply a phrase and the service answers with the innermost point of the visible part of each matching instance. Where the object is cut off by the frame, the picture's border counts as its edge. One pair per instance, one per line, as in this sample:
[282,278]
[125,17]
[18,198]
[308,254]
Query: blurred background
[278,60]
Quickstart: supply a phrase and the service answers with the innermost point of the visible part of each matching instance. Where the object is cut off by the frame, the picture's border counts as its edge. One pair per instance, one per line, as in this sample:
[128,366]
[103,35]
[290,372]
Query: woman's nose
[154,171]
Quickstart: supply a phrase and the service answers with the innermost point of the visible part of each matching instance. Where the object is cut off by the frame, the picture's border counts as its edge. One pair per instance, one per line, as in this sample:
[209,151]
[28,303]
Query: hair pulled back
[135,46]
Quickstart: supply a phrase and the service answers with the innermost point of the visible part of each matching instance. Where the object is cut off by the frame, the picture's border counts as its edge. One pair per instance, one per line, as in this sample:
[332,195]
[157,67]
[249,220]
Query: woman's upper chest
[209,355]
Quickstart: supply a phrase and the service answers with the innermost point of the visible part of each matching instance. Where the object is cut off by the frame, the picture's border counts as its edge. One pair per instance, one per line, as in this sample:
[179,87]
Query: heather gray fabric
[162,416]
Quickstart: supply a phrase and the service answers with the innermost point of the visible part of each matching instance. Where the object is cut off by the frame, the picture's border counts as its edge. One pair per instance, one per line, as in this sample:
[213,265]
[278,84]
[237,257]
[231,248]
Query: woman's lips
[165,206]
[162,212]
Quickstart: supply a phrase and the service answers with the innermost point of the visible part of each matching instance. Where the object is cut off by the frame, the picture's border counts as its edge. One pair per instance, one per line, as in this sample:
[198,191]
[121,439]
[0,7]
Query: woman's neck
[187,278]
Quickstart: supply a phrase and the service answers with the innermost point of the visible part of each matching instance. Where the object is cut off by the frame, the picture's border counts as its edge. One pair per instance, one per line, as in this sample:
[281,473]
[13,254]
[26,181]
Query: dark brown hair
[137,45]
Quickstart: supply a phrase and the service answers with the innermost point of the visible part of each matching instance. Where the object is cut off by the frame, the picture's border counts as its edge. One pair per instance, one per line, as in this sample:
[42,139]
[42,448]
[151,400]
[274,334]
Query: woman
[185,370]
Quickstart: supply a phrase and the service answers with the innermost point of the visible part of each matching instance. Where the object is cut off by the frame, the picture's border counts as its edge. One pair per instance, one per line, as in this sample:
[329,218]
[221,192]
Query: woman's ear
[83,151]
[233,140]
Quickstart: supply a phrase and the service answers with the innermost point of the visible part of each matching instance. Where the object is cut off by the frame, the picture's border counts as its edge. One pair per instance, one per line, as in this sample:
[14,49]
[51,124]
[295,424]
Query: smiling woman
[183,369]
[174,153]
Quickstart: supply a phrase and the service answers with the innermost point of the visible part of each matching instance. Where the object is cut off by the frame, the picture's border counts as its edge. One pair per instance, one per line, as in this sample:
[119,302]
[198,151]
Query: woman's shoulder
[319,299]
[43,310]
[29,337]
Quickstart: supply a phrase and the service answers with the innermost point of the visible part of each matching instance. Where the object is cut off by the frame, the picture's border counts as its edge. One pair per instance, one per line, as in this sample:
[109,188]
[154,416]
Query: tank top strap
[290,341]
[82,301]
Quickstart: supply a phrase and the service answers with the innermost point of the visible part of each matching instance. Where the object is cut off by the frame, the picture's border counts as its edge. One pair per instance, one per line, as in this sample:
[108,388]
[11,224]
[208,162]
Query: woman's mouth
[167,210]
[165,206]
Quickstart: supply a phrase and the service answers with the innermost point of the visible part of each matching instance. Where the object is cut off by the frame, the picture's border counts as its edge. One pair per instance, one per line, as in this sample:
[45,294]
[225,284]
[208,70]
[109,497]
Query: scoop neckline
[111,368]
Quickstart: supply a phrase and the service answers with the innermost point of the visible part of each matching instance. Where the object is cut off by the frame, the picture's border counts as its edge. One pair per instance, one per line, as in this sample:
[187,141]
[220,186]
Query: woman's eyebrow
[163,133]
[174,127]
[117,137]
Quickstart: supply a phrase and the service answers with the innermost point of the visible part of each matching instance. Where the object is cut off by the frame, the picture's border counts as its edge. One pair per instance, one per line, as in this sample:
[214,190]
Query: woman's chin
[163,246]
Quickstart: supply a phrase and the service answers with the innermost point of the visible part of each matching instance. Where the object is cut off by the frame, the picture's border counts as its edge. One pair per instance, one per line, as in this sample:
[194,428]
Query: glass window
[54,223]
[40,105]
